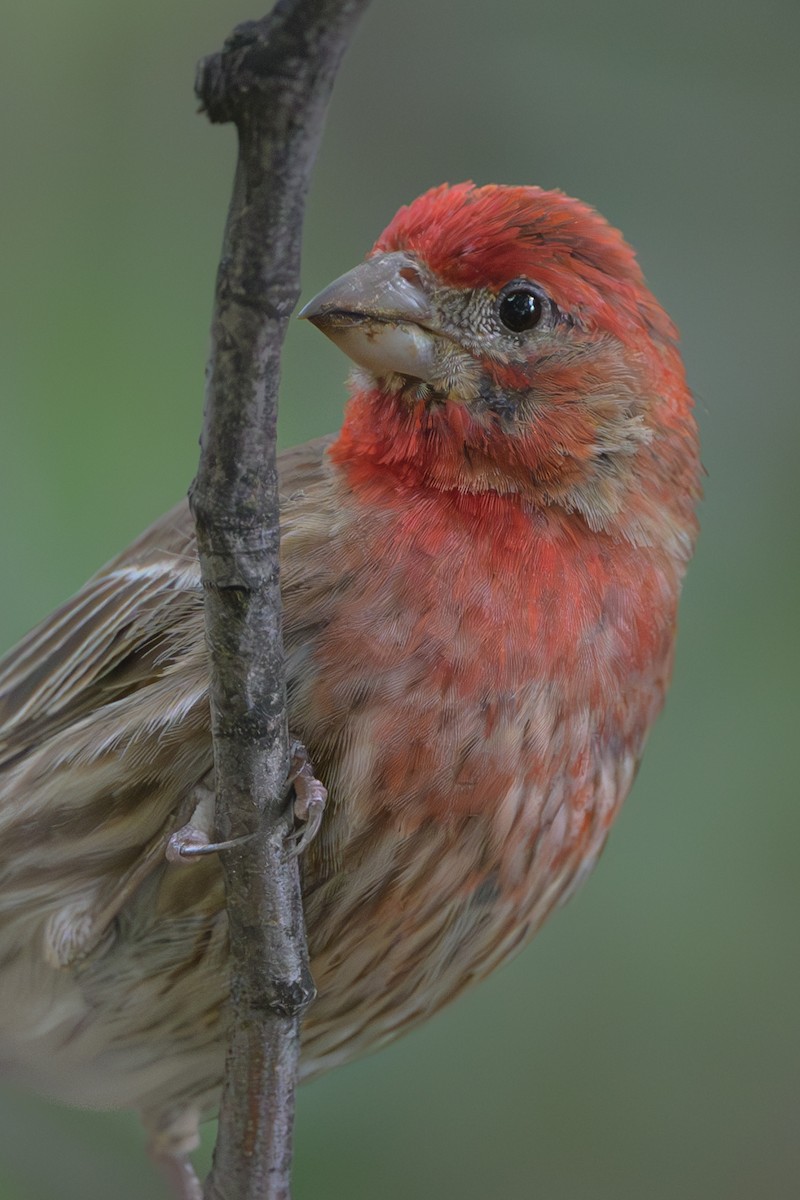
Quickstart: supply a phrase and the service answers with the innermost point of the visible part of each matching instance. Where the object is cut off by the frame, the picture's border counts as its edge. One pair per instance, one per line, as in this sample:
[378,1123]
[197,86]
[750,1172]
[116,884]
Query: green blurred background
[647,1045]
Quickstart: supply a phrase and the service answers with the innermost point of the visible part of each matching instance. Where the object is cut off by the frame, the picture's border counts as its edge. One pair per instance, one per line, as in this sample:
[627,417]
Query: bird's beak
[380,315]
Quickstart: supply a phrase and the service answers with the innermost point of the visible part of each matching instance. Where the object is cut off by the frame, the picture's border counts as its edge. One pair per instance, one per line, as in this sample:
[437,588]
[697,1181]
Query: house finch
[480,576]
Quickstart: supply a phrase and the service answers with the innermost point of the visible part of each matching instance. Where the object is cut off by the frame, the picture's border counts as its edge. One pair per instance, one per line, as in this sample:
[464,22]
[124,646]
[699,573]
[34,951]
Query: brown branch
[273,79]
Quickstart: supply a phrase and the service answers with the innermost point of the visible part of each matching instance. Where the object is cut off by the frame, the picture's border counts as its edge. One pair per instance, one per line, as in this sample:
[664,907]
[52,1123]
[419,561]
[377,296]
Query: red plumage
[485,236]
[480,577]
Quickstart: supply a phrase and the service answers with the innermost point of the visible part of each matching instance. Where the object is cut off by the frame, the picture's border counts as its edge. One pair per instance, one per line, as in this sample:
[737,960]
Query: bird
[480,575]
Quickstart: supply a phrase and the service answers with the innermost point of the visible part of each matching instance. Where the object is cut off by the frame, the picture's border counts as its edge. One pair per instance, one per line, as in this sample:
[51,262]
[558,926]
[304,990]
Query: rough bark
[273,79]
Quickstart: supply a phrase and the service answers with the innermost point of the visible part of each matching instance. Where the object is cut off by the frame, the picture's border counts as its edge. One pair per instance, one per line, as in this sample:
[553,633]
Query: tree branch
[273,79]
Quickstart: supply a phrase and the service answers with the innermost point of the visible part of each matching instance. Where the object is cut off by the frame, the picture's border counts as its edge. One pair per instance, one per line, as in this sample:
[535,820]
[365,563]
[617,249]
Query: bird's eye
[520,308]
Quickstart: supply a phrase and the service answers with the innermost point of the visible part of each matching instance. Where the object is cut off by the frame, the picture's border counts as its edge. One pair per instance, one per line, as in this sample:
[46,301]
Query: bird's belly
[466,796]
[403,914]
[422,905]
[468,791]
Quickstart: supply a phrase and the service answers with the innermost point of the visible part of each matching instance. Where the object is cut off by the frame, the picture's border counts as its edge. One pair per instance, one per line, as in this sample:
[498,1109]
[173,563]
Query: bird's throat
[439,444]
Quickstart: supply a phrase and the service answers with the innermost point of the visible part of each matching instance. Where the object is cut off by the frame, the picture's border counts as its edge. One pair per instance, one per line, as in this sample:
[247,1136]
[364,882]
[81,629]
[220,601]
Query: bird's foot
[193,840]
[310,798]
[195,835]
[171,1141]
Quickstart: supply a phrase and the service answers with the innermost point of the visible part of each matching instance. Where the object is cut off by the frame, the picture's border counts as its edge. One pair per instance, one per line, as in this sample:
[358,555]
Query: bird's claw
[185,842]
[310,798]
[189,842]
[193,840]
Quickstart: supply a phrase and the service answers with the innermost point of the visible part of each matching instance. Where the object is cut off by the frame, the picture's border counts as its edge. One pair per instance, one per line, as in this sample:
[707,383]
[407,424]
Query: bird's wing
[104,641]
[121,629]
[104,730]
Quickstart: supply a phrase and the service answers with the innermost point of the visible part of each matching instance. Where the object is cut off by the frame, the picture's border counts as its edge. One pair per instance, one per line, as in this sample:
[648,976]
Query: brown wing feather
[102,642]
[113,635]
[104,729]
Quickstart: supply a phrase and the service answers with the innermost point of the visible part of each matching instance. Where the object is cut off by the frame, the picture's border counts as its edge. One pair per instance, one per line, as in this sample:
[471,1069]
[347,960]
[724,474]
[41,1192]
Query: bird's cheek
[511,377]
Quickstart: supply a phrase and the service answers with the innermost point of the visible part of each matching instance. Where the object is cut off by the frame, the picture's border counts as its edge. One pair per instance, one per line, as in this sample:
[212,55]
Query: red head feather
[479,237]
[607,432]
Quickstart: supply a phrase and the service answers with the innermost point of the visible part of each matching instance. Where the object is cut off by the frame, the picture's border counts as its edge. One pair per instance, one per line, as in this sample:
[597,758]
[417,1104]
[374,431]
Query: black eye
[520,308]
